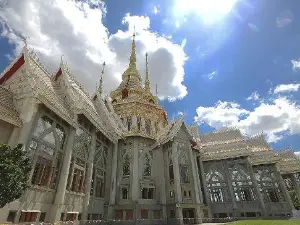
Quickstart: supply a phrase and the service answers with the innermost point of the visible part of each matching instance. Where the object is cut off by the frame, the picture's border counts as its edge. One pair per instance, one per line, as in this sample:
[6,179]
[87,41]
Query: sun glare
[208,10]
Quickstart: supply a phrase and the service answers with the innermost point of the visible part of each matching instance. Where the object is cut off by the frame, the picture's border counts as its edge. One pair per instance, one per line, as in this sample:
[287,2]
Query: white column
[166,178]
[207,198]
[134,123]
[162,175]
[229,185]
[63,178]
[255,184]
[135,189]
[89,177]
[177,185]
[296,185]
[113,186]
[195,176]
[112,200]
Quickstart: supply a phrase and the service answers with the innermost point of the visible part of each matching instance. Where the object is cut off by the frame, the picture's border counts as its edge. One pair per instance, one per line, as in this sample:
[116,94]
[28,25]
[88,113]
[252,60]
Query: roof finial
[147,81]
[156,92]
[25,41]
[62,59]
[100,89]
[132,62]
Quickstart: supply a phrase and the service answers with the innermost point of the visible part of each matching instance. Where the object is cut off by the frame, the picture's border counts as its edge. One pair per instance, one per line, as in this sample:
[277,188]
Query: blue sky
[240,68]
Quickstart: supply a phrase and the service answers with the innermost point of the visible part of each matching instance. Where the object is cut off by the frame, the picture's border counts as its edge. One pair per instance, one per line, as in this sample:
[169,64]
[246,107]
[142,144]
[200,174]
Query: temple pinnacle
[100,89]
[147,81]
[132,62]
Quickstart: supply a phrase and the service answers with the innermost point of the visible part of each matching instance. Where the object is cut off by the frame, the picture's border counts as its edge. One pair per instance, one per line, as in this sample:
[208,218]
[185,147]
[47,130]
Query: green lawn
[266,222]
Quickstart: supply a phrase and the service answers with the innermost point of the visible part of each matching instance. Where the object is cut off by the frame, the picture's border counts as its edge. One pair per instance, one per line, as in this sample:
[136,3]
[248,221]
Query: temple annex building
[120,158]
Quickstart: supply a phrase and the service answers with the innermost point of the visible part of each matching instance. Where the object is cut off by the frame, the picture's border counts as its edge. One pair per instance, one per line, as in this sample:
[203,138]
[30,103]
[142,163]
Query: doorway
[188,216]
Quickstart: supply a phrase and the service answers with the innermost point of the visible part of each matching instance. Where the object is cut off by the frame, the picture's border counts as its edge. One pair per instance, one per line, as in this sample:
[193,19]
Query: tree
[15,168]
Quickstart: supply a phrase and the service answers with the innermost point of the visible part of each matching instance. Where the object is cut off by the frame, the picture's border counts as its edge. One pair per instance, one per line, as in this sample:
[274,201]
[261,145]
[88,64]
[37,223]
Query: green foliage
[266,222]
[14,173]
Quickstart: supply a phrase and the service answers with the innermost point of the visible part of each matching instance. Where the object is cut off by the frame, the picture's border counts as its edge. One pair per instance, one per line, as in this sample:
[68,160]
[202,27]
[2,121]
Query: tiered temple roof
[289,162]
[61,93]
[8,111]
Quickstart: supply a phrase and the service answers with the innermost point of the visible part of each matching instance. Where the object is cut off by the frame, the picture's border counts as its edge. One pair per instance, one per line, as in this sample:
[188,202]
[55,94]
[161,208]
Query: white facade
[94,159]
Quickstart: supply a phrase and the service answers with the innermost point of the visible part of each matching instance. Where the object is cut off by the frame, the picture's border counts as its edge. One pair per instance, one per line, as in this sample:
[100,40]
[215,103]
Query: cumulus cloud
[75,29]
[156,9]
[296,65]
[212,75]
[297,154]
[183,43]
[254,96]
[276,119]
[286,88]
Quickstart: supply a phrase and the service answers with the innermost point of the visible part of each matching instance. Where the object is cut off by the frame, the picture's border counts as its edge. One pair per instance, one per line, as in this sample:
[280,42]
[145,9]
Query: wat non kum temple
[119,158]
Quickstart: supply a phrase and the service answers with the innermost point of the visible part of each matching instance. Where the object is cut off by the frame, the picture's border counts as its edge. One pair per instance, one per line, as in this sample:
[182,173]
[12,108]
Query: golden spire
[132,62]
[100,89]
[147,81]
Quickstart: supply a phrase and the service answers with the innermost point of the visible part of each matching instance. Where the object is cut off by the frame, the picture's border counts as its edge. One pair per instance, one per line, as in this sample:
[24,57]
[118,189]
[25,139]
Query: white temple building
[119,158]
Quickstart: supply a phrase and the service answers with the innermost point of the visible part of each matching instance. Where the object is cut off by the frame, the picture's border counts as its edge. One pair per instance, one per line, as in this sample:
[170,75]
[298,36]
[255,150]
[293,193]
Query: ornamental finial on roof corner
[100,88]
[62,59]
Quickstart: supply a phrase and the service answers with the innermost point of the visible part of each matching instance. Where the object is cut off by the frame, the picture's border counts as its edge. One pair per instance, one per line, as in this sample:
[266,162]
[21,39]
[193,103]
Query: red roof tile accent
[57,75]
[13,69]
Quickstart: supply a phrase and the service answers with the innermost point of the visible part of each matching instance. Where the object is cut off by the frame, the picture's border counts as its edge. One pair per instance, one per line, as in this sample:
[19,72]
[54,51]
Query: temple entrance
[188,216]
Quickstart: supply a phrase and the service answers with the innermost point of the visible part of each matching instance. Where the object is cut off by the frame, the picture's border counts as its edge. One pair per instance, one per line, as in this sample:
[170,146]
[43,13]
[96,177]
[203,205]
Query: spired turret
[137,107]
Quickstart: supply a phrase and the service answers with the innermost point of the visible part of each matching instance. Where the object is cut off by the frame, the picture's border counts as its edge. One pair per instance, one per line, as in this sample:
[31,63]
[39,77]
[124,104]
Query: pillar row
[89,176]
[256,187]
[63,178]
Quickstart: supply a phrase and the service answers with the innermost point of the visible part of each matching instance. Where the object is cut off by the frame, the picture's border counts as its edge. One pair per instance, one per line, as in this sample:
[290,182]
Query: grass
[266,222]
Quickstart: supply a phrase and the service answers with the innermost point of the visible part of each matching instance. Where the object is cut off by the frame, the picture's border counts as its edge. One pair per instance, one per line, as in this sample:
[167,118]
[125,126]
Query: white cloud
[75,29]
[254,96]
[212,74]
[180,113]
[183,43]
[297,154]
[276,119]
[177,24]
[136,23]
[296,65]
[223,114]
[286,88]
[156,9]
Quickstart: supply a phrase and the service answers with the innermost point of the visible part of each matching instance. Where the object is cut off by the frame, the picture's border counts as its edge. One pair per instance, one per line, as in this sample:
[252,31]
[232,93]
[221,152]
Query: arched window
[183,167]
[268,183]
[47,144]
[77,171]
[99,173]
[241,182]
[216,184]
[129,123]
[124,93]
[147,160]
[126,163]
[139,123]
[148,127]
[156,127]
